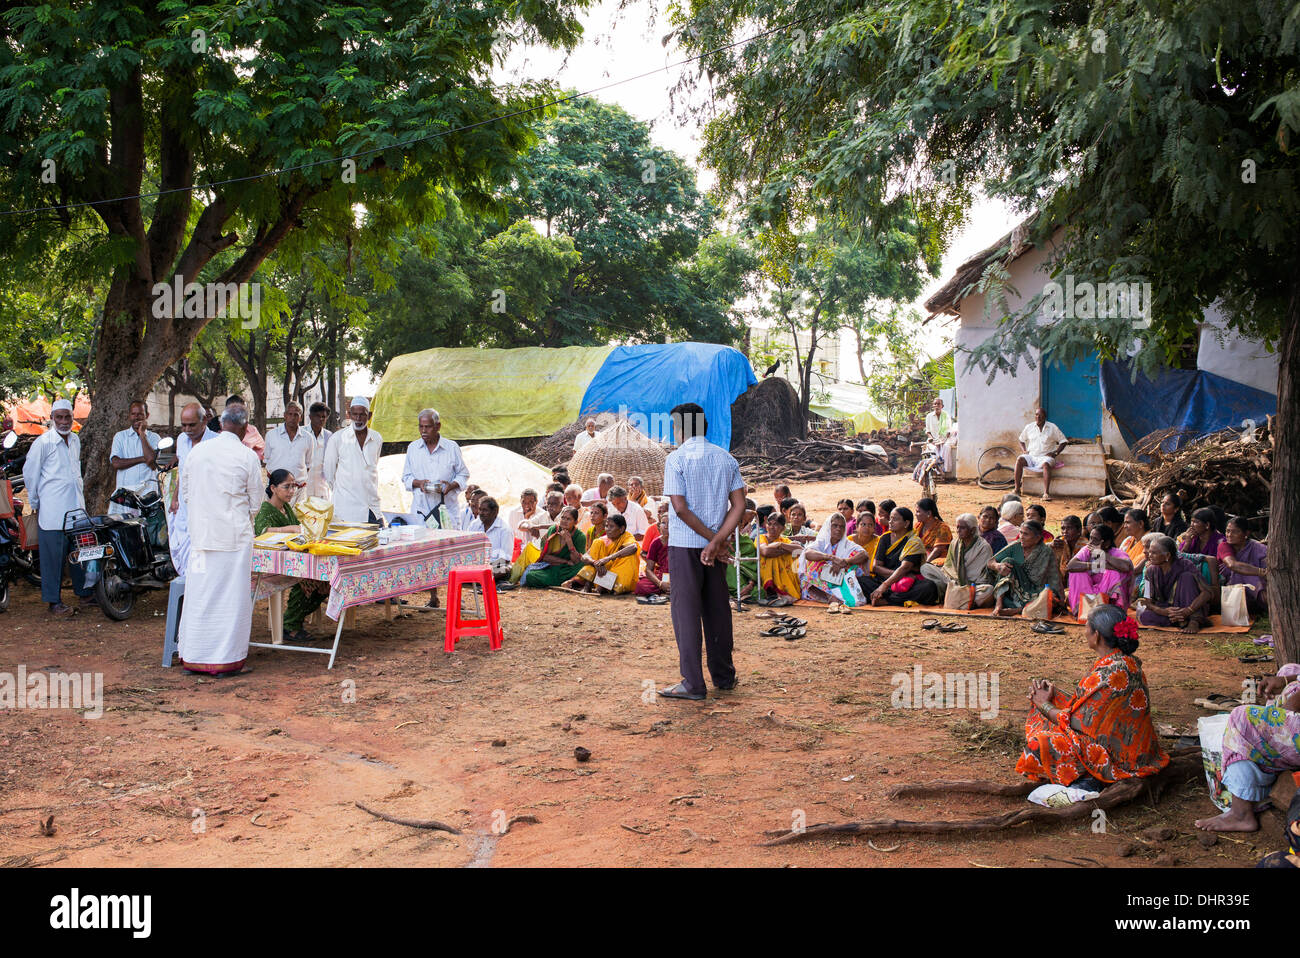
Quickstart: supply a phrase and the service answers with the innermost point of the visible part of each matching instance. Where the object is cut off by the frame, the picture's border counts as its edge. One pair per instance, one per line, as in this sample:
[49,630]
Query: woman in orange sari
[1103,732]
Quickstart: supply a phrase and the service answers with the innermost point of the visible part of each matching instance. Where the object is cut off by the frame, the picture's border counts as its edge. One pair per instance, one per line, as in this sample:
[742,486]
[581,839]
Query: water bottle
[444,517]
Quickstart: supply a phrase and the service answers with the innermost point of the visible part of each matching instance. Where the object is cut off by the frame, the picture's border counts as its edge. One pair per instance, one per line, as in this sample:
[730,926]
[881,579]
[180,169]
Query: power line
[411,142]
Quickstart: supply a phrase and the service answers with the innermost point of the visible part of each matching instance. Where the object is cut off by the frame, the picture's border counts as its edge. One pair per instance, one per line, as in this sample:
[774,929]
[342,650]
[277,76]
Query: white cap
[359,401]
[61,404]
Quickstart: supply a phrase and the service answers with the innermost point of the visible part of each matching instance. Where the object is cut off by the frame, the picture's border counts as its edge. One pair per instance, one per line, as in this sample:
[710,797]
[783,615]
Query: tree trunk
[1284,521]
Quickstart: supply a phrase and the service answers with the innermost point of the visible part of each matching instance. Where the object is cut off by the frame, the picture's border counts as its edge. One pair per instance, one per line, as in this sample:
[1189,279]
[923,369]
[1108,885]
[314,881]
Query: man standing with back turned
[707,497]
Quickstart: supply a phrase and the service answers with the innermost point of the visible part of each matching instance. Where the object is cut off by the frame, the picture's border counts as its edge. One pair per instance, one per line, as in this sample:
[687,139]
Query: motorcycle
[929,470]
[124,554]
[18,558]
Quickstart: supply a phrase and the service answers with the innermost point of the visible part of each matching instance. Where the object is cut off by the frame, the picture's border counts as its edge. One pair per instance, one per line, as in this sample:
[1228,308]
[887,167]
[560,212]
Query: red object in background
[29,418]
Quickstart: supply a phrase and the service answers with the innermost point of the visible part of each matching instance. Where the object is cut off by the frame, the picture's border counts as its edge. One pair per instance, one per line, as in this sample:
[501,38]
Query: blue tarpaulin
[1186,399]
[647,381]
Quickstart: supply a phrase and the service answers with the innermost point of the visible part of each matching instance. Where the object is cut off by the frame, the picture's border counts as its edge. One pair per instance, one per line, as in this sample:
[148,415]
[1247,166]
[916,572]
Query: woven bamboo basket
[623,452]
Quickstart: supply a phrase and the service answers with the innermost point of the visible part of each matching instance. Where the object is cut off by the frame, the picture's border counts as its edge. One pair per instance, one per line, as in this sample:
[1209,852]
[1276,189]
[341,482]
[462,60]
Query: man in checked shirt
[707,497]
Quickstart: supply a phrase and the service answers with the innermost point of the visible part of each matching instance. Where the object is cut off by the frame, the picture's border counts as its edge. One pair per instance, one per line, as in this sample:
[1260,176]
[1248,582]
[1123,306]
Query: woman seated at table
[777,552]
[276,515]
[1176,595]
[828,566]
[563,545]
[1024,569]
[1103,732]
[895,576]
[1099,568]
[654,581]
[1259,743]
[617,552]
[1244,561]
[933,532]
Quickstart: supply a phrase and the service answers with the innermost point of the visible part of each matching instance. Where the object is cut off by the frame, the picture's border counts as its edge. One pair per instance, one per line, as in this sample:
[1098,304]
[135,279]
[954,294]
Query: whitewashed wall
[1229,355]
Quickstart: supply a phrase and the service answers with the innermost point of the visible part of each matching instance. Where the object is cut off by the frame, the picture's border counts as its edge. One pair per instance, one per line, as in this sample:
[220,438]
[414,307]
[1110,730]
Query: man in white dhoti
[222,489]
[435,472]
[134,455]
[193,429]
[352,467]
[317,416]
[939,430]
[1041,442]
[52,474]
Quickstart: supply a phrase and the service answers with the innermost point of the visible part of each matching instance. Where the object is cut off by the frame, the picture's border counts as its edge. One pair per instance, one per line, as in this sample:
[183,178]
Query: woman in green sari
[1023,569]
[563,546]
[276,515]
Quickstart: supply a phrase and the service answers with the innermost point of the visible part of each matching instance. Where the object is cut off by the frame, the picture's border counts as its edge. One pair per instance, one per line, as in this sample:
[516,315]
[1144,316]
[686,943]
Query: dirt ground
[265,769]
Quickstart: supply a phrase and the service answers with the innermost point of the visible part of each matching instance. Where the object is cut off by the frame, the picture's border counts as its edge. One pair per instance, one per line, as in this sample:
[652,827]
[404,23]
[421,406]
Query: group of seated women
[1172,570]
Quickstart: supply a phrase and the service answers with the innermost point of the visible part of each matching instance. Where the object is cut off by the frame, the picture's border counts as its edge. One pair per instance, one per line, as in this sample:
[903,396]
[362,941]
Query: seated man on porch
[1041,442]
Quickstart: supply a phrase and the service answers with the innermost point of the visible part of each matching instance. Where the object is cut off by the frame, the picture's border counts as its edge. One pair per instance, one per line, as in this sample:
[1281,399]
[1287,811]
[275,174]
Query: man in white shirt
[523,520]
[1041,442]
[582,438]
[352,467]
[193,431]
[939,430]
[289,446]
[633,514]
[318,415]
[134,455]
[222,489]
[52,473]
[434,470]
[501,540]
[604,482]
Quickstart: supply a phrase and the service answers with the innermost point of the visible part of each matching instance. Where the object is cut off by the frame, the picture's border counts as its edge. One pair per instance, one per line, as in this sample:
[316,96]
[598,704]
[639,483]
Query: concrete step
[1083,473]
[1066,486]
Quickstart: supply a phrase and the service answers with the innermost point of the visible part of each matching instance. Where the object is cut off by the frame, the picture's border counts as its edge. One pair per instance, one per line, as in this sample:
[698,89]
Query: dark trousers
[922,592]
[701,614]
[53,546]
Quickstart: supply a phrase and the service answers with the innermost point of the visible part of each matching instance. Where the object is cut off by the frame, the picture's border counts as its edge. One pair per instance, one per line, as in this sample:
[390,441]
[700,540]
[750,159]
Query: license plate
[86,555]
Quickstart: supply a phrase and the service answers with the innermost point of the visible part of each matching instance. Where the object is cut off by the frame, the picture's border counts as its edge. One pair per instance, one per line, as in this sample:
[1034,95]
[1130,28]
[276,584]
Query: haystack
[623,452]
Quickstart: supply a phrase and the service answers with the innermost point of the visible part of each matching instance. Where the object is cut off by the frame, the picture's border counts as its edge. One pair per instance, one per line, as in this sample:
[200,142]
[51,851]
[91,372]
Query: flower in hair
[1126,629]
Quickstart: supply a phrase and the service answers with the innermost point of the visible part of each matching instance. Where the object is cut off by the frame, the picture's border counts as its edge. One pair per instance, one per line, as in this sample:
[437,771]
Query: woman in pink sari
[1115,577]
[1244,561]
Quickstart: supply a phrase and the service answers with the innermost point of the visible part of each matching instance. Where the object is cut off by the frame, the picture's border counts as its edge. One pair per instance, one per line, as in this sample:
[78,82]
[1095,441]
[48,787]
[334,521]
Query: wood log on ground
[411,822]
[1182,766]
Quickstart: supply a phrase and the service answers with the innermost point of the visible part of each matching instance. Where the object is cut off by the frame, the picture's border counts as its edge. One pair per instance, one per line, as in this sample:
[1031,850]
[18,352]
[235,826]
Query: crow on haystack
[772,369]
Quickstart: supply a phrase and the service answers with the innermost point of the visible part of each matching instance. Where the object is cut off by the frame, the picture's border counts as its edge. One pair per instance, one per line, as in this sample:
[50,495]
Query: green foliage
[1159,134]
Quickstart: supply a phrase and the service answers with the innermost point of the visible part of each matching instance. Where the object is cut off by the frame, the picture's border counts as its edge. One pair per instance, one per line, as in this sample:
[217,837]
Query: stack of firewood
[808,460]
[1231,469]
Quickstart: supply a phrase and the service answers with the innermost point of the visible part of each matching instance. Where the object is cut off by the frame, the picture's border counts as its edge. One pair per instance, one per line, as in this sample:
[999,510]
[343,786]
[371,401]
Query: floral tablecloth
[384,572]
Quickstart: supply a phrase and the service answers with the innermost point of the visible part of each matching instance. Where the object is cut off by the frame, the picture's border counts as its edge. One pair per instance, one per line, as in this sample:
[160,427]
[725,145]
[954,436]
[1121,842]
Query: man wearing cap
[352,467]
[134,455]
[52,473]
[288,446]
[193,431]
[222,489]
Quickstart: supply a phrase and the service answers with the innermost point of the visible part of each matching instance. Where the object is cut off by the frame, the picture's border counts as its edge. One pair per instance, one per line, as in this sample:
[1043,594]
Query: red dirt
[274,761]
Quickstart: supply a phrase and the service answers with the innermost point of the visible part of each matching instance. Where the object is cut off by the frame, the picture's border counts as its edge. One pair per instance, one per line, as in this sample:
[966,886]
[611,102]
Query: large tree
[1159,134]
[193,141]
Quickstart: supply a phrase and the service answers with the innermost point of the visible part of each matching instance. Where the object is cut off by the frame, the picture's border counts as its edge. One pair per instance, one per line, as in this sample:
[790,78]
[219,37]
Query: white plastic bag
[1232,605]
[1211,730]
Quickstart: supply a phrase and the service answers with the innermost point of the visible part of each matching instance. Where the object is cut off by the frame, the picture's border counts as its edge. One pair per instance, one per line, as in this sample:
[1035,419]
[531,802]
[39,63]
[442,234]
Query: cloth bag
[1211,730]
[1232,603]
[1090,601]
[959,597]
[1039,608]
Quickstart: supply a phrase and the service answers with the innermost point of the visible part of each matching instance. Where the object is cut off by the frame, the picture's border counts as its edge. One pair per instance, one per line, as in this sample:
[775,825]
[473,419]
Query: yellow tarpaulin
[863,421]
[486,393]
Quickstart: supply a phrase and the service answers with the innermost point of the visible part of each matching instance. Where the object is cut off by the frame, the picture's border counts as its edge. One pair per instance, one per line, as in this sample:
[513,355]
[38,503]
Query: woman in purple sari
[1244,561]
[1176,593]
[1114,578]
[1202,537]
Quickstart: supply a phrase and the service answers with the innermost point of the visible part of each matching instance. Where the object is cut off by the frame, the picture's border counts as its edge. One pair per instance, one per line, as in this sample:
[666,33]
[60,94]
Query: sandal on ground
[791,620]
[930,624]
[834,609]
[764,615]
[793,634]
[1044,627]
[651,599]
[776,631]
[952,627]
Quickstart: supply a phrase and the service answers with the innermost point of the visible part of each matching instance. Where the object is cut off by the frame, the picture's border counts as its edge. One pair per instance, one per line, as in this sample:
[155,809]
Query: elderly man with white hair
[222,489]
[584,437]
[435,472]
[52,473]
[352,467]
[604,482]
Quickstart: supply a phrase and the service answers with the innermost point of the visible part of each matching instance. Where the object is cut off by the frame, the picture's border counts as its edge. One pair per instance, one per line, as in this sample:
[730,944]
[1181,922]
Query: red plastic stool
[457,626]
